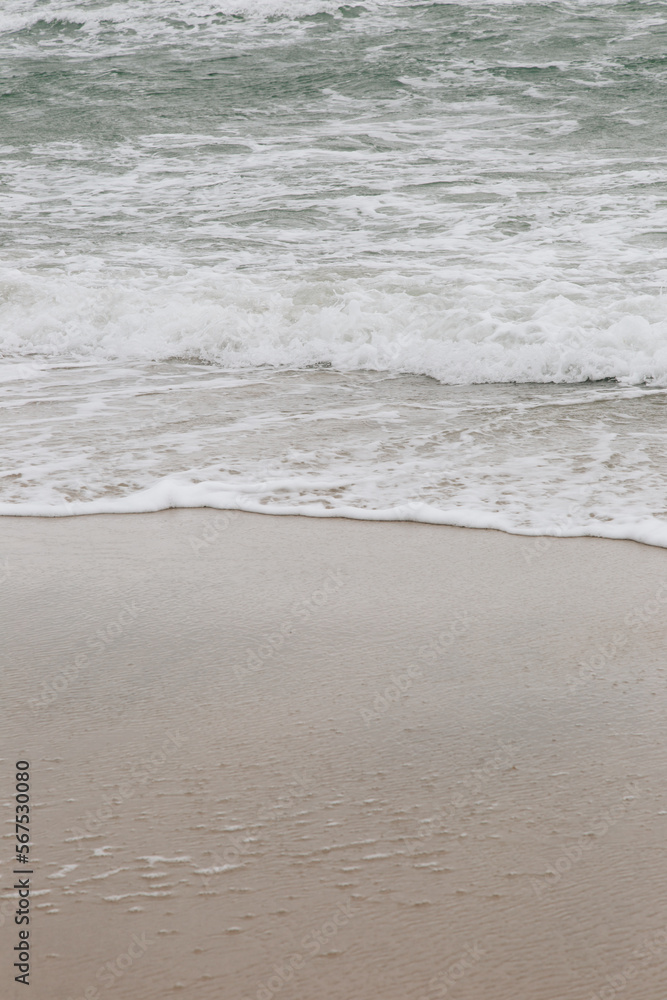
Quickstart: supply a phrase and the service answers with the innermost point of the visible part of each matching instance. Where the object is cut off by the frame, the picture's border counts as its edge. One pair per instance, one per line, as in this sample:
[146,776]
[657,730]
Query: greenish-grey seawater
[465,193]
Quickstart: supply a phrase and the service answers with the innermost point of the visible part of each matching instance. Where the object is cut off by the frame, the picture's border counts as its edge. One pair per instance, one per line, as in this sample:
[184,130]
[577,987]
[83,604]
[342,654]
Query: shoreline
[159,499]
[305,757]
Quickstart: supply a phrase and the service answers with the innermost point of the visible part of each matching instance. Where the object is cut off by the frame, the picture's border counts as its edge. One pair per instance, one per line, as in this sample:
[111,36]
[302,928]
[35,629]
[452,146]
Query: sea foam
[383,260]
[453,330]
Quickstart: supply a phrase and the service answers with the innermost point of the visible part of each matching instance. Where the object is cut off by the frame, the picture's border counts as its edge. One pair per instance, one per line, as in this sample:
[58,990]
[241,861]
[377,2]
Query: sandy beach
[333,479]
[321,758]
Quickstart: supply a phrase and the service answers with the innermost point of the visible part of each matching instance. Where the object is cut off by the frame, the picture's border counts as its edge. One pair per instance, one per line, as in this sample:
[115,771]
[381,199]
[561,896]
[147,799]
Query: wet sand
[317,759]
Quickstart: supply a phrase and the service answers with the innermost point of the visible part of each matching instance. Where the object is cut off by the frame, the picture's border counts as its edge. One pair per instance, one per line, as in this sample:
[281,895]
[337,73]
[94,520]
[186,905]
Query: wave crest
[458,333]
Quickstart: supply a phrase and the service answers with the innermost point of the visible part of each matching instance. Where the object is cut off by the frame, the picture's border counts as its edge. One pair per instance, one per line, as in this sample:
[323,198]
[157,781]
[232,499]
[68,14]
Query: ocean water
[391,259]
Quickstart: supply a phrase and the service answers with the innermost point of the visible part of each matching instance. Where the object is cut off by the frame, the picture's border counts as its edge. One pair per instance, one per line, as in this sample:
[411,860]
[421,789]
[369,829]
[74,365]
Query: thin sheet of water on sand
[310,758]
